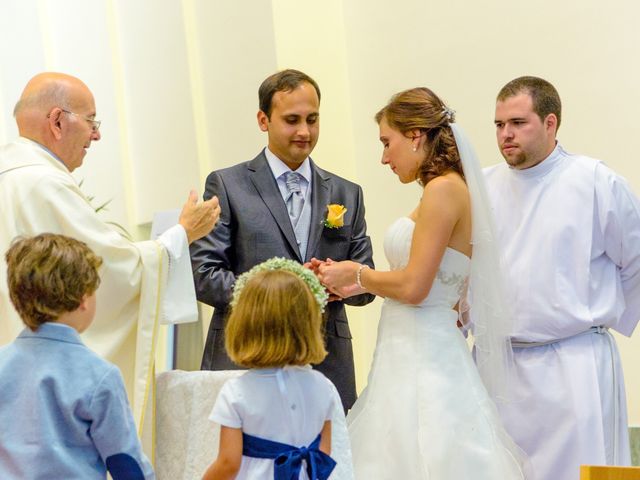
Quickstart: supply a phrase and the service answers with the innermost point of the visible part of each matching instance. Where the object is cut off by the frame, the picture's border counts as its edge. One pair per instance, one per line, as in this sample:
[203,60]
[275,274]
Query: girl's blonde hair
[276,322]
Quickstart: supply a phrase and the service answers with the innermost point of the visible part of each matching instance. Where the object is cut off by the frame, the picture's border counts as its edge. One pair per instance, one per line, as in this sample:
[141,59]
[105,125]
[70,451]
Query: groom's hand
[313,265]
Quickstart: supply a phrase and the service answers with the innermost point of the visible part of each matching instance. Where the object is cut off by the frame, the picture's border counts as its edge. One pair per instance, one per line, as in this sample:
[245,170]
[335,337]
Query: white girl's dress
[287,405]
[425,413]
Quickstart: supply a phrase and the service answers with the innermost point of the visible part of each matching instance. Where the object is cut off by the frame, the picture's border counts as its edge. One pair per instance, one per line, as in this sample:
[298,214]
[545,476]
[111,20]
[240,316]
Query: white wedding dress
[425,413]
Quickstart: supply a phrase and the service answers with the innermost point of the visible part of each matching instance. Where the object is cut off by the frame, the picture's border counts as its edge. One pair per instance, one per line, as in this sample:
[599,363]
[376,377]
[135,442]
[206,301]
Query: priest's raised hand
[198,219]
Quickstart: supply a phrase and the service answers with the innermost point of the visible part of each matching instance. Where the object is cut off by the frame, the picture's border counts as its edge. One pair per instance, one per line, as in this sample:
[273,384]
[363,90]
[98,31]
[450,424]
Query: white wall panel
[21,55]
[233,52]
[157,100]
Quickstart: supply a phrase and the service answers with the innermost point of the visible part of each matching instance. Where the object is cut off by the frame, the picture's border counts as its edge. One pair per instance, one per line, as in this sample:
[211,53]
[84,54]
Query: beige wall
[175,83]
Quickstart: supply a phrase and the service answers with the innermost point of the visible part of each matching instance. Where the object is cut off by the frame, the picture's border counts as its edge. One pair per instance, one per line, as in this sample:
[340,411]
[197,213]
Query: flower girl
[276,418]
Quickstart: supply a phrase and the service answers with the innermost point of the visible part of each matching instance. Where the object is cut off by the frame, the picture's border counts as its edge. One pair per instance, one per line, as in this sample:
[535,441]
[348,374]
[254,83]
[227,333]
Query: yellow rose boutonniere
[335,216]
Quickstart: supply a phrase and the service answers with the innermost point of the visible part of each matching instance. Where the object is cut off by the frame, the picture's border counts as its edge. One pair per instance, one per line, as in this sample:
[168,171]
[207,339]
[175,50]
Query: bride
[426,412]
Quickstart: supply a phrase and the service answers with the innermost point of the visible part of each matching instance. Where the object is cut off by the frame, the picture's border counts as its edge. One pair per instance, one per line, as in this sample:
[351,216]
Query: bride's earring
[415,147]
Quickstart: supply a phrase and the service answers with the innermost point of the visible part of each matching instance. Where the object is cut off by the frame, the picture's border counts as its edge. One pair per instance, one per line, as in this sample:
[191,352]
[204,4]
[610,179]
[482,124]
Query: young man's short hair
[544,96]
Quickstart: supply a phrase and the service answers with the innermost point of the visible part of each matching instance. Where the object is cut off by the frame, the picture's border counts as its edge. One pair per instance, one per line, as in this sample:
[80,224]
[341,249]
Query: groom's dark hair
[284,81]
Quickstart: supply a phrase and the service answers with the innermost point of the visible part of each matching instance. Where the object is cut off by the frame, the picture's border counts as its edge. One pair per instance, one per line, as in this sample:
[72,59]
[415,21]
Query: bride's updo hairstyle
[421,109]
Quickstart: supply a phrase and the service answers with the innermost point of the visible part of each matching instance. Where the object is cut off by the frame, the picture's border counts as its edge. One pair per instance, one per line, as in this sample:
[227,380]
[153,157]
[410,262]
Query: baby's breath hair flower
[279,263]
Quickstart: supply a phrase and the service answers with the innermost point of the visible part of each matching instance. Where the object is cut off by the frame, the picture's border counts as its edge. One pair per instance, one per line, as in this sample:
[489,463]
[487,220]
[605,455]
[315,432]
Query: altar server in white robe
[569,228]
[143,283]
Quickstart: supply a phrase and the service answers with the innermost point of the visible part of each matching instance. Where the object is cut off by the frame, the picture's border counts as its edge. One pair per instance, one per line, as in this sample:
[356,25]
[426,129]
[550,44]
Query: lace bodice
[452,275]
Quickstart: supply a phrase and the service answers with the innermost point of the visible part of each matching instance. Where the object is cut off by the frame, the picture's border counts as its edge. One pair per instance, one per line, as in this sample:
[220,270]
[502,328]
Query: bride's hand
[336,275]
[313,265]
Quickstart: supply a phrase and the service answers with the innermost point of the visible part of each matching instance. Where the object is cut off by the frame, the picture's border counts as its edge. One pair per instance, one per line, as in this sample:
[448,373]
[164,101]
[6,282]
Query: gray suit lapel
[262,178]
[320,198]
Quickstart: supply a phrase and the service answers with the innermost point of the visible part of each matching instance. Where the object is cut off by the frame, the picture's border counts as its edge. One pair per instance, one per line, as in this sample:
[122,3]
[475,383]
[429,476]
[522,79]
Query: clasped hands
[339,278]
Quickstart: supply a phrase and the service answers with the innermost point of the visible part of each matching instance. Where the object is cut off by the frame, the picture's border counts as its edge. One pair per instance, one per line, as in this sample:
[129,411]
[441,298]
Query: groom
[276,205]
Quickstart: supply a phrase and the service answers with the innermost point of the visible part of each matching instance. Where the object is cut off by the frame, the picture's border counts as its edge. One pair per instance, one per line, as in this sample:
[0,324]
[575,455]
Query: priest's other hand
[198,219]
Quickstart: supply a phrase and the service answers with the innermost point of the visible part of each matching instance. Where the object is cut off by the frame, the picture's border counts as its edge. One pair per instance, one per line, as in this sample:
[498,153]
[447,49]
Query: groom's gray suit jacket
[254,226]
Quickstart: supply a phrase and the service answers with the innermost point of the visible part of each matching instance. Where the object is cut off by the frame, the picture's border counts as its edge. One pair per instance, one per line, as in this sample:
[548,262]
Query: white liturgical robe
[569,231]
[138,280]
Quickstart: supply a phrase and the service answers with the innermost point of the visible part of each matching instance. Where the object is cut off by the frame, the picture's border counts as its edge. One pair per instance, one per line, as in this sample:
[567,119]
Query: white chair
[186,440]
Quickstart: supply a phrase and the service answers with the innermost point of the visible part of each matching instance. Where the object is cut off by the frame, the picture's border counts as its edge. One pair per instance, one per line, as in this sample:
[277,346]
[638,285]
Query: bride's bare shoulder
[450,185]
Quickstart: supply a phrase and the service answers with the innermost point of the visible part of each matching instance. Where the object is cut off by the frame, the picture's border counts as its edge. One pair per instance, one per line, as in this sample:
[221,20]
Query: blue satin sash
[288,459]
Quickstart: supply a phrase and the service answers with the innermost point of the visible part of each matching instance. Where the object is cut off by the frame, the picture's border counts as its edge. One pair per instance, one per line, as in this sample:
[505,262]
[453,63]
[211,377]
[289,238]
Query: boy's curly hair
[49,275]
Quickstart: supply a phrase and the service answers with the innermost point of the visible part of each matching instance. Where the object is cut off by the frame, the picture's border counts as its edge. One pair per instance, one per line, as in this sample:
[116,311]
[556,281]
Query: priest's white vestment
[139,281]
[569,231]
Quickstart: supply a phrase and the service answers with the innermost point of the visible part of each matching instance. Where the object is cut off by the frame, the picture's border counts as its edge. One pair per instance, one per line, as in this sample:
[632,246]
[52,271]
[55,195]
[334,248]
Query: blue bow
[288,459]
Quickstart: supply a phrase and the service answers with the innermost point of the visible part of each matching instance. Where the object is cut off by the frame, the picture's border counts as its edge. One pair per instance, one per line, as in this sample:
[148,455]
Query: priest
[569,229]
[143,283]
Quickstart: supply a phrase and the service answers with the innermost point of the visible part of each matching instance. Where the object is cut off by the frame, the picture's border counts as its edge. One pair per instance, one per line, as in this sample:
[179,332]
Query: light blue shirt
[279,169]
[64,412]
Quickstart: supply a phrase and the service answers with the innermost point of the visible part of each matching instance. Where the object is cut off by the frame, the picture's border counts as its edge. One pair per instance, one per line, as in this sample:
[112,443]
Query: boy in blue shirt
[64,412]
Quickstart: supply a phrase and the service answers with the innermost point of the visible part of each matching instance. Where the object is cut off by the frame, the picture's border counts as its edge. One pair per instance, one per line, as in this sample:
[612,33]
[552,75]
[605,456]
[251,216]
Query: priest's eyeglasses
[95,124]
